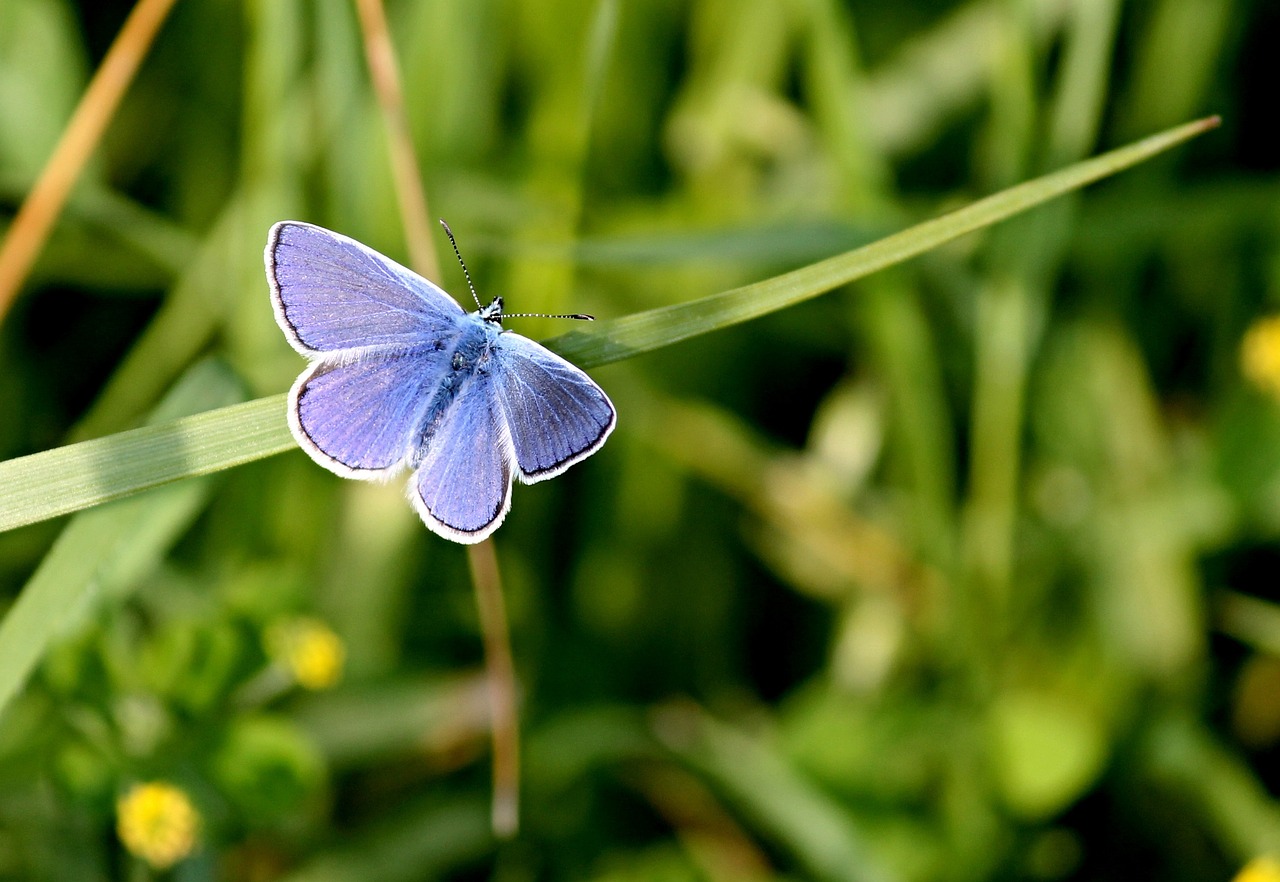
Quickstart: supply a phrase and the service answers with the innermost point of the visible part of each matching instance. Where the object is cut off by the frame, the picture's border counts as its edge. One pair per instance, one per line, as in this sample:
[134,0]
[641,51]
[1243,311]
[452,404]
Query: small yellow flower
[157,822]
[1260,354]
[310,650]
[1260,869]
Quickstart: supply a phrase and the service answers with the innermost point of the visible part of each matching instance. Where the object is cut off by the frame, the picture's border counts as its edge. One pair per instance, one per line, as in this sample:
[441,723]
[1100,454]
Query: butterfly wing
[332,294]
[462,486]
[379,337]
[361,419]
[556,415]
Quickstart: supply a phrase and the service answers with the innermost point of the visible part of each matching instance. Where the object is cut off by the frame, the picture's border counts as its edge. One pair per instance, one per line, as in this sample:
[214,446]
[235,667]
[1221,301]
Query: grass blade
[616,339]
[756,780]
[103,551]
[66,479]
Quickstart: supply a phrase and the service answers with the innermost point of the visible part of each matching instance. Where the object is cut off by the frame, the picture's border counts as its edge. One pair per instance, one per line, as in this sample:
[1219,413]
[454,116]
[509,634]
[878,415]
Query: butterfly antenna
[448,232]
[577,316]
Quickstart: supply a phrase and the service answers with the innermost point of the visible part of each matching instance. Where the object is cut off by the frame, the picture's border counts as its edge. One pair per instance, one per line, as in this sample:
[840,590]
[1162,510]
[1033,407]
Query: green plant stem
[485,577]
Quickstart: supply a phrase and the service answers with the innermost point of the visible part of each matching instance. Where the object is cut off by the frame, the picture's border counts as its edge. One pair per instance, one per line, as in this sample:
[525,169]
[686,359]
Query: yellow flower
[157,822]
[310,650]
[1260,869]
[1260,354]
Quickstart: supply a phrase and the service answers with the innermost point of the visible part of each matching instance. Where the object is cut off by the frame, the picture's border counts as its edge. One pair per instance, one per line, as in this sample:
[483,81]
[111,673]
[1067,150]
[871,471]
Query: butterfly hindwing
[462,486]
[332,293]
[361,419]
[556,414]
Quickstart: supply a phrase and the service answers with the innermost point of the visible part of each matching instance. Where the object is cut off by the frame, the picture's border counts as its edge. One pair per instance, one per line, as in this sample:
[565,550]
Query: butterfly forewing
[331,293]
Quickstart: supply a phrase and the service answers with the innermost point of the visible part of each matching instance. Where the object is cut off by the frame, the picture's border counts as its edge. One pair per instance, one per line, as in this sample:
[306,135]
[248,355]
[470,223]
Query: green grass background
[965,571]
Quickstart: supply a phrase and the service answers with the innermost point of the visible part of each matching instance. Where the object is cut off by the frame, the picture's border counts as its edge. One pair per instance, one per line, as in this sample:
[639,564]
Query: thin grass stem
[410,192]
[501,677]
[43,205]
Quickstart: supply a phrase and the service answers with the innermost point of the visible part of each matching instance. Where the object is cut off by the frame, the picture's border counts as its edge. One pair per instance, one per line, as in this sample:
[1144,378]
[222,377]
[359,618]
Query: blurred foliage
[967,571]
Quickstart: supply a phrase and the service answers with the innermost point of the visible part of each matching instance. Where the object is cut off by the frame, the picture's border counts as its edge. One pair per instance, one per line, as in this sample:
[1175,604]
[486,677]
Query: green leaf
[1048,751]
[78,476]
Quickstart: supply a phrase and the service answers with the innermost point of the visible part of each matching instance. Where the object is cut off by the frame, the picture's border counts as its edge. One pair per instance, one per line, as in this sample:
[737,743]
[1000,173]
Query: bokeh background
[965,572]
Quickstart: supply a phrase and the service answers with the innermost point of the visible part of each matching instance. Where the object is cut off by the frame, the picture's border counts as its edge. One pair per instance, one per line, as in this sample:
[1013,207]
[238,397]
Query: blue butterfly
[401,375]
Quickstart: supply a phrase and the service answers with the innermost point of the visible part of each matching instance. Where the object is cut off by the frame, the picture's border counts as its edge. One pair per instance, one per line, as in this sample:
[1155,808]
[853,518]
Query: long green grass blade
[616,339]
[104,551]
[67,479]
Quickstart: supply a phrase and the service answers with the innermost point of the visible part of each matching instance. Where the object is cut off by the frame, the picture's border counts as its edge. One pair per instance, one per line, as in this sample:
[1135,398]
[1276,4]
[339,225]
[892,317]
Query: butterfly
[402,376]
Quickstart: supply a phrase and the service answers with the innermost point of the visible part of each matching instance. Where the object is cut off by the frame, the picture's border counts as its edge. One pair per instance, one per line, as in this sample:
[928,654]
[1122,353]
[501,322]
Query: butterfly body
[468,359]
[401,376]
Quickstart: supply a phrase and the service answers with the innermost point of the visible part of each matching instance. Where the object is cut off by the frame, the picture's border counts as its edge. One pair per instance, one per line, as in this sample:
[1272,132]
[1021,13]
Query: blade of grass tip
[615,339]
[77,476]
[104,551]
[410,192]
[41,208]
[66,479]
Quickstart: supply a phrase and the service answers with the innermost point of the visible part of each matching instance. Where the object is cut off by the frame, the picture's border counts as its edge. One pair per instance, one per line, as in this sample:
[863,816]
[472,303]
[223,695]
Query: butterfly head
[492,312]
